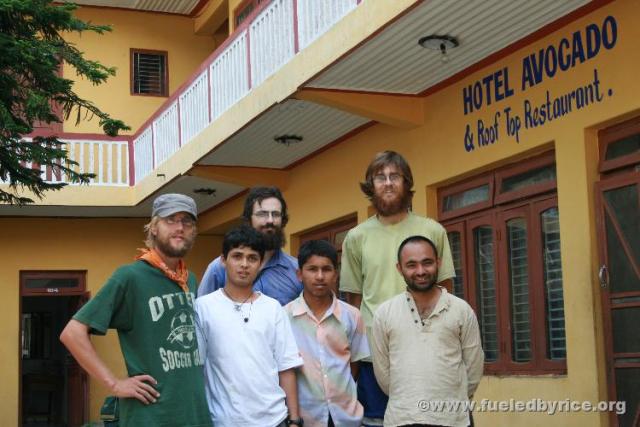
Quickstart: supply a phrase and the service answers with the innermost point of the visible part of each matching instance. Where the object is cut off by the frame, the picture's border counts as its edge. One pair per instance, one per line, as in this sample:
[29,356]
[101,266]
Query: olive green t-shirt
[154,318]
[370,254]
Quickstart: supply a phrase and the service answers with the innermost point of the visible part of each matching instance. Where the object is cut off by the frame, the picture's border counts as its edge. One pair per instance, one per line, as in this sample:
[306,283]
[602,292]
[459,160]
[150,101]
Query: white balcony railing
[316,17]
[166,134]
[272,40]
[229,76]
[108,160]
[193,117]
[259,48]
[143,153]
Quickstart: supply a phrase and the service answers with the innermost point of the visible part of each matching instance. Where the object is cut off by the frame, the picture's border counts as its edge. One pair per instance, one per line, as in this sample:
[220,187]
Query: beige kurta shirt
[416,360]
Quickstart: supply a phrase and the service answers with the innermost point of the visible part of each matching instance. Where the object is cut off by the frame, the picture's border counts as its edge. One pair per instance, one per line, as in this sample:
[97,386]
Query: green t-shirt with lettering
[154,318]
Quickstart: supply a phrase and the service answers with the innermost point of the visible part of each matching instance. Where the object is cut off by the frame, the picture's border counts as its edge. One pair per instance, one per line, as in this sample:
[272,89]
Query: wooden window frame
[528,203]
[613,134]
[460,188]
[485,219]
[552,366]
[458,227]
[258,6]
[494,180]
[497,218]
[165,54]
[546,159]
[329,231]
[80,275]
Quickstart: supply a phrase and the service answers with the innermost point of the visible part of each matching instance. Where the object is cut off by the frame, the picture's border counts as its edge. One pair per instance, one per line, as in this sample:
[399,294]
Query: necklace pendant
[246,320]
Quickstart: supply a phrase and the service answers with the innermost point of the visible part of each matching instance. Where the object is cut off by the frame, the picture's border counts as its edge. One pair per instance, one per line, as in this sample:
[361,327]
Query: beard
[165,247]
[420,288]
[399,204]
[273,237]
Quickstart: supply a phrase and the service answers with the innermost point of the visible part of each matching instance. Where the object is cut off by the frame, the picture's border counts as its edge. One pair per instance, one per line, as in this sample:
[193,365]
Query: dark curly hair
[243,235]
[258,194]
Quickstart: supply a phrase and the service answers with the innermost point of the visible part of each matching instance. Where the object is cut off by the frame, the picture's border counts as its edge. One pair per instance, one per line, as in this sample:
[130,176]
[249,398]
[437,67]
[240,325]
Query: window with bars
[506,253]
[149,73]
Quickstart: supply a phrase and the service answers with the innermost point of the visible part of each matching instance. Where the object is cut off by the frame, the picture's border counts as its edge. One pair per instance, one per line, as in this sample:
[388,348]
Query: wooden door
[618,204]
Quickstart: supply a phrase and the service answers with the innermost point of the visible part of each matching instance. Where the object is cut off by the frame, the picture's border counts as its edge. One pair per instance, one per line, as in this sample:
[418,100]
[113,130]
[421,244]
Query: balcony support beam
[403,111]
[211,18]
[243,176]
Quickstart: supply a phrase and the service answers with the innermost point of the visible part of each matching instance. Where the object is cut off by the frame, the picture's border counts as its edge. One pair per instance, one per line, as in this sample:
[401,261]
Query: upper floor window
[243,11]
[504,233]
[620,147]
[149,73]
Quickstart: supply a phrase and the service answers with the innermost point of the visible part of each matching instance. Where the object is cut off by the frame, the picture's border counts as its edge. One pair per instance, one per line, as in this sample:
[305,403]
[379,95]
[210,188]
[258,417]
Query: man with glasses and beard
[266,211]
[150,303]
[425,345]
[367,276]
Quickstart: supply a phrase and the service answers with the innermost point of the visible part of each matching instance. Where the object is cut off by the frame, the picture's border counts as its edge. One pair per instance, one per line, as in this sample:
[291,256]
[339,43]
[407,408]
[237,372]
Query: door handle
[603,276]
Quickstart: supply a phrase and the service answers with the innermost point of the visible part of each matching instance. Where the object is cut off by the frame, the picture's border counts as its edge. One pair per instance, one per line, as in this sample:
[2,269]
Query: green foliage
[32,50]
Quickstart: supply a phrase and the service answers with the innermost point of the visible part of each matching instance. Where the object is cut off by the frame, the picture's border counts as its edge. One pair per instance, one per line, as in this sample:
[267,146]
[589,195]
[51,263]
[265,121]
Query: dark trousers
[370,395]
[329,423]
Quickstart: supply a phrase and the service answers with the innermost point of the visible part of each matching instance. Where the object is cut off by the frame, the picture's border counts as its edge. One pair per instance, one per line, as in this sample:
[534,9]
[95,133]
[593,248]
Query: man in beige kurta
[425,346]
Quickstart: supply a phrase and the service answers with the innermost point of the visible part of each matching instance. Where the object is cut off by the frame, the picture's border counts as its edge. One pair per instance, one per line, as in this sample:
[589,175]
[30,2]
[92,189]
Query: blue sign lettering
[546,63]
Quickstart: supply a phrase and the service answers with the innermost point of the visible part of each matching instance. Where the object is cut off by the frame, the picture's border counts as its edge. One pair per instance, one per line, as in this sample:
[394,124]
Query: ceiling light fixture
[441,43]
[287,139]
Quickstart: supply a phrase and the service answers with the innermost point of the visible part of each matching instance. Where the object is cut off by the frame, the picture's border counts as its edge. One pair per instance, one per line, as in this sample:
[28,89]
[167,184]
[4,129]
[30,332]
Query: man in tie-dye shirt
[331,337]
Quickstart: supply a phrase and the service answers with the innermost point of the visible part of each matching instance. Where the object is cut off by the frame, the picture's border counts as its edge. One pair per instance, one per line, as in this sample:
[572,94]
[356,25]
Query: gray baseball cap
[168,204]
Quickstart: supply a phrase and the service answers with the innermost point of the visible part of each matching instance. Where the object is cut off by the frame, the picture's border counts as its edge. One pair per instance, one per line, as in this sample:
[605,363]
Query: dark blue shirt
[277,278]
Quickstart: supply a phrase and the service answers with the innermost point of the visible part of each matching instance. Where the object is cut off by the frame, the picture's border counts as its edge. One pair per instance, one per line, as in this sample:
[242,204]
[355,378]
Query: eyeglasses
[266,214]
[381,178]
[186,221]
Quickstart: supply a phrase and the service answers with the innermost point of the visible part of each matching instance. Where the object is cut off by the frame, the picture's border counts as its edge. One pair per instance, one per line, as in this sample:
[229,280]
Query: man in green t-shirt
[368,275]
[150,304]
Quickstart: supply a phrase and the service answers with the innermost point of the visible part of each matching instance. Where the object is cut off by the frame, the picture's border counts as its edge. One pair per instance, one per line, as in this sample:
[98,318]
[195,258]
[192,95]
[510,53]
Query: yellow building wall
[139,30]
[325,188]
[96,245]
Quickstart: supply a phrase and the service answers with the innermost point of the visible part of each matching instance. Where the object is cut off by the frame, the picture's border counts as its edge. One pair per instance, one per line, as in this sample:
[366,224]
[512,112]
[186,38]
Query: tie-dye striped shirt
[328,346]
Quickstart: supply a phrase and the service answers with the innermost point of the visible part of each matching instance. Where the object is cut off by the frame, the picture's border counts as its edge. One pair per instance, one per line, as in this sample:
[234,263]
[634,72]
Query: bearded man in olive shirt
[367,276]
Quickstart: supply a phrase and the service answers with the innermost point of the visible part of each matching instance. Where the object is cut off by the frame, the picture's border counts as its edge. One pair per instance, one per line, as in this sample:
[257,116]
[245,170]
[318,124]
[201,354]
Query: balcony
[319,69]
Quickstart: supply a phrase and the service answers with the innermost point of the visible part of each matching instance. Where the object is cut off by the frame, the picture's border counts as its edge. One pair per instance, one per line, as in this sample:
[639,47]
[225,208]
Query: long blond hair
[150,240]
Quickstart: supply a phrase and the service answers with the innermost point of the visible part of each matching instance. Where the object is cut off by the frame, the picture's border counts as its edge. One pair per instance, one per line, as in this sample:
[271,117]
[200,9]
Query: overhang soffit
[394,110]
[242,176]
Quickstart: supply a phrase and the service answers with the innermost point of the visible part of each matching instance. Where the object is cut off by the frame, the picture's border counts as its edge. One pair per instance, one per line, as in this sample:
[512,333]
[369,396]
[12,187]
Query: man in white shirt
[425,345]
[249,350]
